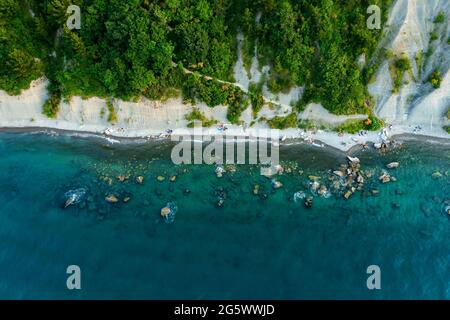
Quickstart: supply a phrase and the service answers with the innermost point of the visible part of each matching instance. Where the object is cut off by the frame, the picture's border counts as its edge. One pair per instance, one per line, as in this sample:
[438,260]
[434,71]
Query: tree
[21,63]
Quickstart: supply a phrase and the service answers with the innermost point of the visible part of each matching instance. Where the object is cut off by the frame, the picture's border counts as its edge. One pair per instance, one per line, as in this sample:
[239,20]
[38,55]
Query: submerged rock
[160,178]
[300,195]
[256,189]
[436,175]
[173,178]
[395,205]
[264,196]
[220,203]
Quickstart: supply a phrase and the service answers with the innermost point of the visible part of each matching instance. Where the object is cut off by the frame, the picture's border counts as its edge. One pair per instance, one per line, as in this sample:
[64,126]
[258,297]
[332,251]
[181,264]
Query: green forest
[127,49]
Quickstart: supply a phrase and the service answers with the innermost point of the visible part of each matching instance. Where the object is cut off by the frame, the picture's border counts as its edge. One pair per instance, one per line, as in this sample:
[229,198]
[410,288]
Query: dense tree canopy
[130,48]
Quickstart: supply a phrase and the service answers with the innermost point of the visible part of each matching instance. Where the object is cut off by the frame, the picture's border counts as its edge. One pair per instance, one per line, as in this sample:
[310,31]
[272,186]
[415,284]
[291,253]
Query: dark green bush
[281,123]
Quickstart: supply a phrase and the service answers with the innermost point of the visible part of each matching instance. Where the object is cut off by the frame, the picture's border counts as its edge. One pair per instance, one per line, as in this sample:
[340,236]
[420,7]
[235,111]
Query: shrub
[197,115]
[256,99]
[281,123]
[51,106]
[398,69]
[436,79]
[433,36]
[372,123]
[351,126]
[237,102]
[403,64]
[112,117]
[440,18]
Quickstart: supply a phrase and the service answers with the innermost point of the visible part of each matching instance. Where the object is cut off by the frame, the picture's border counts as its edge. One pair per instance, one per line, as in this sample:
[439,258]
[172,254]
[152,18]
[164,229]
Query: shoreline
[147,119]
[151,138]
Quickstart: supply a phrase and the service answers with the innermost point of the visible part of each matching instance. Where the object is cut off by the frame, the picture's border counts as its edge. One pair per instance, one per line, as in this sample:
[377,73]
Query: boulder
[339,173]
[322,190]
[276,184]
[315,186]
[140,180]
[393,165]
[385,177]
[122,178]
[160,178]
[165,212]
[309,202]
[354,160]
[112,199]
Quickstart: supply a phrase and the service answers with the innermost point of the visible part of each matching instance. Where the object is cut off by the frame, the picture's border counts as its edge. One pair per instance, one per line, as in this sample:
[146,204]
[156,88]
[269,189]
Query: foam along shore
[146,118]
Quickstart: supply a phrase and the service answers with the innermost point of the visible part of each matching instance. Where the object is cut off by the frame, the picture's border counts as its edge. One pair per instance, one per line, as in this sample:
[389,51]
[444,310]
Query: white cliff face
[407,33]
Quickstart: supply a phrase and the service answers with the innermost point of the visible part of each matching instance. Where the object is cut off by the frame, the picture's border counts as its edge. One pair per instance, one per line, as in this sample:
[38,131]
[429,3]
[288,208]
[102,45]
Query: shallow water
[255,248]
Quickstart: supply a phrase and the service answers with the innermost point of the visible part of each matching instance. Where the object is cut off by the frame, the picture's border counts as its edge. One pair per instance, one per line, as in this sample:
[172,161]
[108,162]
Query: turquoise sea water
[252,247]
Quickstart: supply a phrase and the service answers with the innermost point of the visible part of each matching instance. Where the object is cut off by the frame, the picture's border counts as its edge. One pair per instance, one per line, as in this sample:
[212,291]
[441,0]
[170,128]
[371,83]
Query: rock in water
[353,159]
[169,211]
[140,180]
[165,212]
[160,178]
[122,178]
[393,165]
[276,184]
[74,197]
[220,171]
[385,177]
[309,202]
[112,199]
[348,194]
[173,178]
[339,173]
